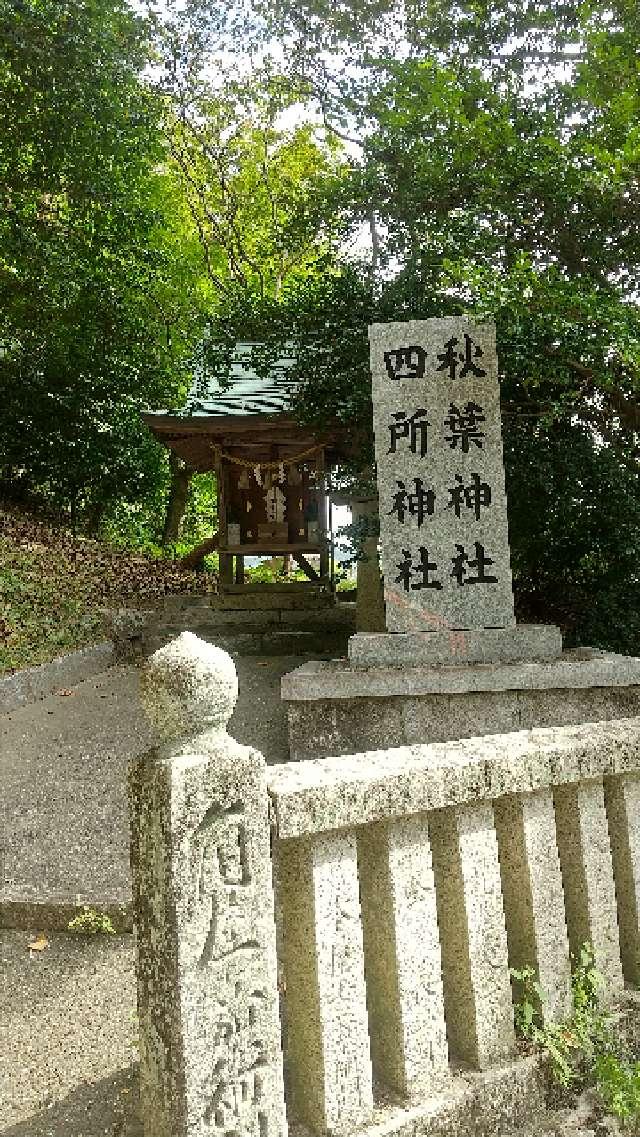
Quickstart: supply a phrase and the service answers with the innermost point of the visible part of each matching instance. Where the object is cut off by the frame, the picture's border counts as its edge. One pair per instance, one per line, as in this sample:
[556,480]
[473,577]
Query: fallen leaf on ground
[39,944]
[65,691]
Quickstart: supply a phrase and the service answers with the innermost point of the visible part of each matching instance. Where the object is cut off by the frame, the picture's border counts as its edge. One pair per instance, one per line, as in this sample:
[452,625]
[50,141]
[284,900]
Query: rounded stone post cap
[187,687]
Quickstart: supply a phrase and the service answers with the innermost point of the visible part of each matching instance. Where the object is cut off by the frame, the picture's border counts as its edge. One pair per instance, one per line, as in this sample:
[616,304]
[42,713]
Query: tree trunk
[195,557]
[93,518]
[181,475]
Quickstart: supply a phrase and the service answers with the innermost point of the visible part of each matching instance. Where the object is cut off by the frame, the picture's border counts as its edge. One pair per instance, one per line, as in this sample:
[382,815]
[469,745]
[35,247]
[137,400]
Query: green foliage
[496,162]
[134,201]
[99,305]
[262,198]
[54,584]
[618,1082]
[585,1049]
[268,572]
[90,922]
[200,520]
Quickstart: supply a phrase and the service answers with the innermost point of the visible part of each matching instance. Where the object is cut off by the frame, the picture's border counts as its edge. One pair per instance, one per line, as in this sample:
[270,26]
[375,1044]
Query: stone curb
[34,683]
[53,914]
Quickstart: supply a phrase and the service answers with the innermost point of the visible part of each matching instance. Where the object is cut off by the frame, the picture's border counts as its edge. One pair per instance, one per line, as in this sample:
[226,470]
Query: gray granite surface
[522,643]
[443,508]
[345,791]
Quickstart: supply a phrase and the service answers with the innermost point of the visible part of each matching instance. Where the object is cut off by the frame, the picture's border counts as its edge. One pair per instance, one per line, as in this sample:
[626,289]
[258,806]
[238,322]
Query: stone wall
[368,987]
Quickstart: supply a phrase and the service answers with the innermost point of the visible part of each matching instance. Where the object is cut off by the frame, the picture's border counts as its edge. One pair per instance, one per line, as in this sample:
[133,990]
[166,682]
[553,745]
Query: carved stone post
[477,991]
[210,1055]
[587,873]
[329,1061]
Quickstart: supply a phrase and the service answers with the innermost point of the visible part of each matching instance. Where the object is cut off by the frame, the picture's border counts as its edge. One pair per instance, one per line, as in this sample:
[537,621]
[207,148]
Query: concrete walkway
[68,1047]
[63,814]
[68,1037]
[67,1014]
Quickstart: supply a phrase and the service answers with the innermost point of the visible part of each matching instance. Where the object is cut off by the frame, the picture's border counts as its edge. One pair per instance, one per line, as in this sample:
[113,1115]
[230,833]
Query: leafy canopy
[494,157]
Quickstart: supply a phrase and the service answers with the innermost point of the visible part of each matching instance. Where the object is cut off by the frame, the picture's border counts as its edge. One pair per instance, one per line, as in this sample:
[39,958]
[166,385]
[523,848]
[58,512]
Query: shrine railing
[407,882]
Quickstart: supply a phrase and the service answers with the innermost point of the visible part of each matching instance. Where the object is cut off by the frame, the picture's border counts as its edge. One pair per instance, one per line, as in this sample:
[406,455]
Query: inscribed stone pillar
[328,1052]
[443,510]
[210,1056]
[587,875]
[369,599]
[622,797]
[477,987]
[533,896]
[402,956]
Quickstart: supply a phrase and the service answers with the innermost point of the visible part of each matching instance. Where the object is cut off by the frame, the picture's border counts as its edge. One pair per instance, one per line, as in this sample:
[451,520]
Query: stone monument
[443,508]
[452,662]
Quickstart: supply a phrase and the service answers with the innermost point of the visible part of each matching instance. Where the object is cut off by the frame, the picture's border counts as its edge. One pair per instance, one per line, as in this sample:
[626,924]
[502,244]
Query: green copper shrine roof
[245,392]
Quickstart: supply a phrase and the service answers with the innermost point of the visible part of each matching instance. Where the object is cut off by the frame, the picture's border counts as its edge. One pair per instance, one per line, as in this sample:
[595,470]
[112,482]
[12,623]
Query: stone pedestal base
[338,708]
[523,642]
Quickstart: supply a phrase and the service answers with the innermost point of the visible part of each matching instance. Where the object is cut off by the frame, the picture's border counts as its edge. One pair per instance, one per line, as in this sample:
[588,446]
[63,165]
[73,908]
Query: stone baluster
[622,797]
[477,988]
[402,956]
[533,896]
[587,875]
[328,1060]
[210,1055]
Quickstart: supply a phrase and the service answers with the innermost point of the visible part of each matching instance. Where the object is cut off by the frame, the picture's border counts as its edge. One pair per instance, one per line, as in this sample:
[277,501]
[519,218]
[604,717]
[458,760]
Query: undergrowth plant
[585,1049]
[90,922]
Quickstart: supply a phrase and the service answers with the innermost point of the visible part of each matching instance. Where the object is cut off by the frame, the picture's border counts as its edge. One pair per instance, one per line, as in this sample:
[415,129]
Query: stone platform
[519,643]
[337,707]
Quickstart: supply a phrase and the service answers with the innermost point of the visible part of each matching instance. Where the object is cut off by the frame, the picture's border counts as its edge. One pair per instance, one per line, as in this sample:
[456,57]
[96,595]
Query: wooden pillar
[225,559]
[322,517]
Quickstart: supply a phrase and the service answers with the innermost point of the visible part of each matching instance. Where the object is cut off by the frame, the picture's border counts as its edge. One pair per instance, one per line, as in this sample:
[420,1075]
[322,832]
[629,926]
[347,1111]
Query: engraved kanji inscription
[223,882]
[450,359]
[419,503]
[444,544]
[237,1086]
[406,362]
[415,577]
[464,427]
[474,496]
[462,563]
[413,428]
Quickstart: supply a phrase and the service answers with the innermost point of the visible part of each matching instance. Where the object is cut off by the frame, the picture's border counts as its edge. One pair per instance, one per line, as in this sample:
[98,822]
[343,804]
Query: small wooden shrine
[271,472]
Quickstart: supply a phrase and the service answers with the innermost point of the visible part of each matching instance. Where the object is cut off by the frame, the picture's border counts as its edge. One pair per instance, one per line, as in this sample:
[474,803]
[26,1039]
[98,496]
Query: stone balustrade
[406,883]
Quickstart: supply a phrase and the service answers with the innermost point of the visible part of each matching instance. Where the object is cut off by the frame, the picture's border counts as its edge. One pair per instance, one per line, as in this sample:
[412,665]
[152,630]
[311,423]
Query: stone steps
[306,630]
[342,617]
[316,642]
[271,630]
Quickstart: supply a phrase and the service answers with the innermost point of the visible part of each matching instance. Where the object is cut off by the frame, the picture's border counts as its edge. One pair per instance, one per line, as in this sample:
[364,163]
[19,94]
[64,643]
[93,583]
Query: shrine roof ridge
[244,392]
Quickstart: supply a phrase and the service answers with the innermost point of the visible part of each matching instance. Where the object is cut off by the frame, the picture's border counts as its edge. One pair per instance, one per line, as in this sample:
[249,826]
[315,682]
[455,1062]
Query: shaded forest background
[181,176]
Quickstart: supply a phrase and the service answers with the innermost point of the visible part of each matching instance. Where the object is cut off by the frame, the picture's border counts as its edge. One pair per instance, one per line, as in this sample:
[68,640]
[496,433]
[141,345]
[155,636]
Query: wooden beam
[270,548]
[305,566]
